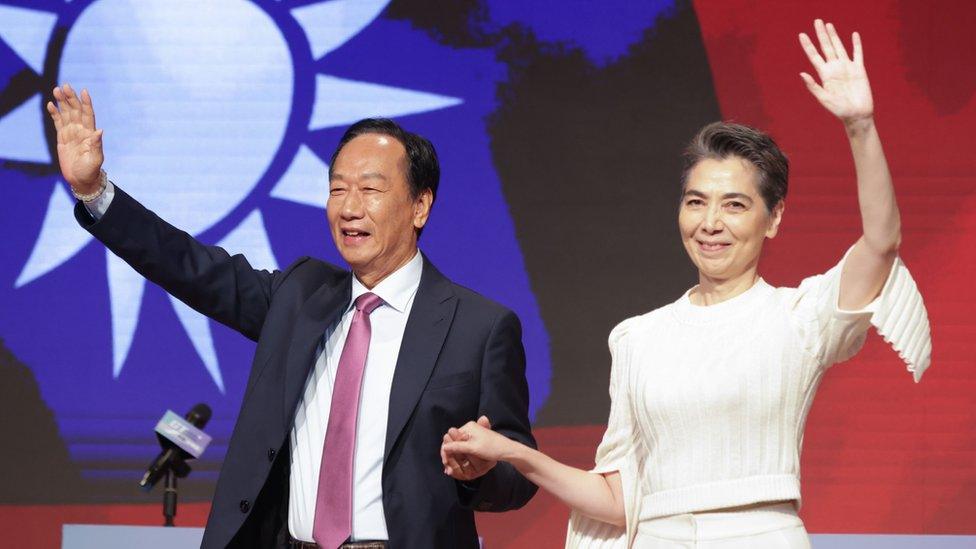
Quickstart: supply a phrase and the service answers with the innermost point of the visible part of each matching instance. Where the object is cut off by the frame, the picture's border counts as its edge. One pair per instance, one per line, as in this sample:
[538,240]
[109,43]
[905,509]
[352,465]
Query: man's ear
[421,208]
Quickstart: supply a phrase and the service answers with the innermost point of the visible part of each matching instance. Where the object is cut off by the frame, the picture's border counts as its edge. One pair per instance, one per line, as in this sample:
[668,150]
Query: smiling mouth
[712,246]
[353,237]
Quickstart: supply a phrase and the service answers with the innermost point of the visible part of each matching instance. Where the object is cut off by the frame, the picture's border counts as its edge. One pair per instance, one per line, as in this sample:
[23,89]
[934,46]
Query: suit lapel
[321,310]
[427,327]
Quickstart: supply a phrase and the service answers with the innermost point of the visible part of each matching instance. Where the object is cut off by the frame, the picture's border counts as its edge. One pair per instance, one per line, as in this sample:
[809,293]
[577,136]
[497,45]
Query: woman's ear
[775,217]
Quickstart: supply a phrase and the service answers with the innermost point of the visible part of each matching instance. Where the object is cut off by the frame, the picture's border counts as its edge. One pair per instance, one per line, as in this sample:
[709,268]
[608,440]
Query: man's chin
[356,259]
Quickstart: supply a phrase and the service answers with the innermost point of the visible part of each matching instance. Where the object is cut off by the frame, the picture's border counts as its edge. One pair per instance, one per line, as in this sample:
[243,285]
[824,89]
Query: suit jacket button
[245,506]
[271,454]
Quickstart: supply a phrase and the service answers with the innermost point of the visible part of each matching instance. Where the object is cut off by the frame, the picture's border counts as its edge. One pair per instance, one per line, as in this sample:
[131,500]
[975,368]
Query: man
[356,376]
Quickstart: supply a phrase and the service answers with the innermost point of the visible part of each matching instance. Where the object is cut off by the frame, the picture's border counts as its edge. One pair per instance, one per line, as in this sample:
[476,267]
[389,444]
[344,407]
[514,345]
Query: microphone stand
[169,498]
[179,469]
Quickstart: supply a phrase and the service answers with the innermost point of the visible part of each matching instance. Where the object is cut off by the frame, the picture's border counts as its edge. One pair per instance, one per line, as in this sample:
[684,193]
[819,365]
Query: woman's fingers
[444,458]
[858,49]
[836,42]
[812,54]
[458,434]
[458,447]
[824,39]
[814,88]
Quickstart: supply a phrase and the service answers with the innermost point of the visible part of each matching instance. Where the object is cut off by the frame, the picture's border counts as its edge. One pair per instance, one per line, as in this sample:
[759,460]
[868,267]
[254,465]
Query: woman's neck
[712,291]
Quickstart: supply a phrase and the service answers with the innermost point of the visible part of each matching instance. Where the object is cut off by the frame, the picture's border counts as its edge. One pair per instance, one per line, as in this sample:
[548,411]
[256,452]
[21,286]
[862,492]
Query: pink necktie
[333,503]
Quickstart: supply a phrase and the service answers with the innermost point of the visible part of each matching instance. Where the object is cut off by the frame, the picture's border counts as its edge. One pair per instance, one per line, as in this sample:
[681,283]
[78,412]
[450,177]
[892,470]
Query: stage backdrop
[559,125]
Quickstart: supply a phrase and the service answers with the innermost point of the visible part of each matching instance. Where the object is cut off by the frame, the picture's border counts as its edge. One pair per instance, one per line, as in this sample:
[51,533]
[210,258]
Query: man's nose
[352,205]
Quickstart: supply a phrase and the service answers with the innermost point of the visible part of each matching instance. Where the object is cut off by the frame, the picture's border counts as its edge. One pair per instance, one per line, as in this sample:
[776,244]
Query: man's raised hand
[79,143]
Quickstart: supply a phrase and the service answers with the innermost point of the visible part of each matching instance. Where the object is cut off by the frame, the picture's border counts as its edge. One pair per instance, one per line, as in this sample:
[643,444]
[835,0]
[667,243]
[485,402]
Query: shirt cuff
[99,206]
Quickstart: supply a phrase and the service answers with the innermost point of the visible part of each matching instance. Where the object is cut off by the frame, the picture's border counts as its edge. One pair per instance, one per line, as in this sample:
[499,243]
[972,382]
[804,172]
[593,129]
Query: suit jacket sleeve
[505,400]
[223,287]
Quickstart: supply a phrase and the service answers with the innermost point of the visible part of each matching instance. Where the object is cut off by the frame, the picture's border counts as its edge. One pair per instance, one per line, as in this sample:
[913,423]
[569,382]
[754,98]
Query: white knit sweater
[709,403]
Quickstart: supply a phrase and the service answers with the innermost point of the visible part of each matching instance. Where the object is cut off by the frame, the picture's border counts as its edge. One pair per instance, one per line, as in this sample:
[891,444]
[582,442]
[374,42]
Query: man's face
[371,212]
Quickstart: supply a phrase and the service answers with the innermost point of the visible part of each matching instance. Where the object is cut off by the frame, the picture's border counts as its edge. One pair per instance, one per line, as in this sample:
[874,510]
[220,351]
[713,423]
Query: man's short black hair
[423,169]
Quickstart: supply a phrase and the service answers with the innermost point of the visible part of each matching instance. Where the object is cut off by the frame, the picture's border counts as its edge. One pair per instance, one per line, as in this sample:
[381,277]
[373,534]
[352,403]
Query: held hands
[844,89]
[79,143]
[473,450]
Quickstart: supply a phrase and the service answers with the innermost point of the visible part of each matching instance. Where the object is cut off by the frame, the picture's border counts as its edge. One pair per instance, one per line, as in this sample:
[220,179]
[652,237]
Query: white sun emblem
[196,99]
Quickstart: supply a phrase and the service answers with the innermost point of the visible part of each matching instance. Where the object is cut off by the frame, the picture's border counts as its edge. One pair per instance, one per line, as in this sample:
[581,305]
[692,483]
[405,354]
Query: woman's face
[723,220]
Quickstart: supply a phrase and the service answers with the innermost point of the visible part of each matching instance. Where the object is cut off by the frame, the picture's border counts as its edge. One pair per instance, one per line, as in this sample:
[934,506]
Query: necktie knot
[368,302]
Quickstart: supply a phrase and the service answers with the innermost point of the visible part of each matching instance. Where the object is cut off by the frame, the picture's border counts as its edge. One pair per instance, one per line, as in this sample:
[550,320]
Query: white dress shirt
[387,322]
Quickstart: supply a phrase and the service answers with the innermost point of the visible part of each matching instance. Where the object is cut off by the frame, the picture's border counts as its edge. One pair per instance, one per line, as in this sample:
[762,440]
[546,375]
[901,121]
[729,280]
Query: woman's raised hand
[79,143]
[844,89]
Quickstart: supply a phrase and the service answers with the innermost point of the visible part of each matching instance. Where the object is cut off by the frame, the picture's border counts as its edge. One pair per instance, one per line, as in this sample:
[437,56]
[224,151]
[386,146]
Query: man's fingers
[62,101]
[69,113]
[55,115]
[456,463]
[483,421]
[451,457]
[453,463]
[71,97]
[87,110]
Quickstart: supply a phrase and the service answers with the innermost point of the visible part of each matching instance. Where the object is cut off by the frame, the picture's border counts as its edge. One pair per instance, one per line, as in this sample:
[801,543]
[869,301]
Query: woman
[710,393]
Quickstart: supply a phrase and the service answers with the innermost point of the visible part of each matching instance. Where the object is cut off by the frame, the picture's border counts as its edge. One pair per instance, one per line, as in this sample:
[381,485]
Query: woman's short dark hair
[721,140]
[423,169]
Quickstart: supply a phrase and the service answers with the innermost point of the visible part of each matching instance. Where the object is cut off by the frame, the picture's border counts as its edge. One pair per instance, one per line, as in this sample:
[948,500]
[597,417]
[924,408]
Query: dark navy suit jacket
[461,357]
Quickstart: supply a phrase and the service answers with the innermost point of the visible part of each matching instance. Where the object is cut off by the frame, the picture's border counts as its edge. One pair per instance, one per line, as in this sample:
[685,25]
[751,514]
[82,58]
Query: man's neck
[370,278]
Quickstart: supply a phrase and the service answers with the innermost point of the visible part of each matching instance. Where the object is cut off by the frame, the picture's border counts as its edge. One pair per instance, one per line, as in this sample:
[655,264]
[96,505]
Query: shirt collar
[396,289]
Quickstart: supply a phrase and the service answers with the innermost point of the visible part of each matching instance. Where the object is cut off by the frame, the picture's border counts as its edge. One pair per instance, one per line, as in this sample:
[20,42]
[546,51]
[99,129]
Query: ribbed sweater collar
[735,308]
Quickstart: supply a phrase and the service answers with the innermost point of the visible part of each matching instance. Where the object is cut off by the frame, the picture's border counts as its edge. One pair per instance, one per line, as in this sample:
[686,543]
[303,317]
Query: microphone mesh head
[199,415]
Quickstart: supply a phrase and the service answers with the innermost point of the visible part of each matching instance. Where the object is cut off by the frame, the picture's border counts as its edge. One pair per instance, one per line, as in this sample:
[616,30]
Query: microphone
[181,439]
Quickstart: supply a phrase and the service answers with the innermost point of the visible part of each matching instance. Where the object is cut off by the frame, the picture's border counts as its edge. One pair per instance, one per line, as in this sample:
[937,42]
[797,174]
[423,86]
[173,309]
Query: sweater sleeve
[618,451]
[898,313]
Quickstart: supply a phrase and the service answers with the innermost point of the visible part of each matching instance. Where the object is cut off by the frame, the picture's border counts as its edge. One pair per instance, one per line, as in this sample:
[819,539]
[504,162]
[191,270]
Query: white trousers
[774,526]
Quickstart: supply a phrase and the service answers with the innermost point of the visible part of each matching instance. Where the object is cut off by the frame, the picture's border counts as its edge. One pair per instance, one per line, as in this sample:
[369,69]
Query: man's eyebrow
[336,176]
